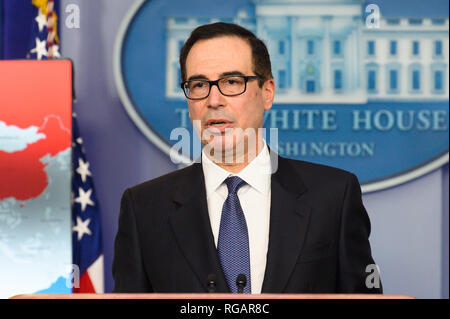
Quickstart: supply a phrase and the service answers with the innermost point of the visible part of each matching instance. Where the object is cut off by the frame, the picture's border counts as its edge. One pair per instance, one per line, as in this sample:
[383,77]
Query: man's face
[212,59]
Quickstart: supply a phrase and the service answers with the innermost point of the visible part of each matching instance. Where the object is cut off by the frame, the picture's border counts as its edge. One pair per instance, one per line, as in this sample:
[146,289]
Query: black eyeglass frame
[216,83]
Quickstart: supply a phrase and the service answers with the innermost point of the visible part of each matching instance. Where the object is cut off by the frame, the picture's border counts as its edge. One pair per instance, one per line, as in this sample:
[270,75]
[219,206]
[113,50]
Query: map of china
[22,173]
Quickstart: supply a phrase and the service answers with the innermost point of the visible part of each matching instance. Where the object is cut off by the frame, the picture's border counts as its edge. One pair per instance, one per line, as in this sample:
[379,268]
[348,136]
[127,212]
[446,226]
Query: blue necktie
[232,246]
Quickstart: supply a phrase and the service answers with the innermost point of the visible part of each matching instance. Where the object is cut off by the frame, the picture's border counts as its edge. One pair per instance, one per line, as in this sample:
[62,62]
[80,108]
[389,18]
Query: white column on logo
[348,60]
[327,56]
[359,67]
[294,56]
[354,60]
[446,55]
[426,80]
[170,78]
[381,60]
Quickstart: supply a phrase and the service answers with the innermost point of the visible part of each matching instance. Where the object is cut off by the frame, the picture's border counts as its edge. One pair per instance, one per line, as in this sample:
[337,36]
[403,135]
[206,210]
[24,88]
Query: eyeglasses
[231,85]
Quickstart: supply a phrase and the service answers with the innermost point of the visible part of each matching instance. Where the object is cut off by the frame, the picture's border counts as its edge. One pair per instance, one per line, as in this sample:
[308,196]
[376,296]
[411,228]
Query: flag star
[83,170]
[40,49]
[55,51]
[82,227]
[79,140]
[84,198]
[41,19]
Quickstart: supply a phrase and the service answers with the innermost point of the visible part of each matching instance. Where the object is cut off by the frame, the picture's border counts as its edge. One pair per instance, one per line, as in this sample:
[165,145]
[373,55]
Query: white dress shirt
[254,197]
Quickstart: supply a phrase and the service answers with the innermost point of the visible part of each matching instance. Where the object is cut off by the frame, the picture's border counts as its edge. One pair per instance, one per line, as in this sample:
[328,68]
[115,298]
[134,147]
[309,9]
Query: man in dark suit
[284,226]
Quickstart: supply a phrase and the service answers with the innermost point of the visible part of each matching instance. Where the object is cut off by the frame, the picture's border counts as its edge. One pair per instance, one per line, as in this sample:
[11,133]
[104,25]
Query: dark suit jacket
[318,240]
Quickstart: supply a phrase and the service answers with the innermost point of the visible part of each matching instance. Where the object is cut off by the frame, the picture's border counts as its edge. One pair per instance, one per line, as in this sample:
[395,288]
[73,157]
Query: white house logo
[358,88]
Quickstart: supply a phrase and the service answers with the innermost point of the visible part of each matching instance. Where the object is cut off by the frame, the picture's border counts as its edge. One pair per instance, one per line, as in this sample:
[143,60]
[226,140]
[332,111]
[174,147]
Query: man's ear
[268,93]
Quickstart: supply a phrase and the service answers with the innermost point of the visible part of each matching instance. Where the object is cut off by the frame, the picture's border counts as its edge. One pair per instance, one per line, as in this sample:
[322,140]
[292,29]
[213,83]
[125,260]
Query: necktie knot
[234,183]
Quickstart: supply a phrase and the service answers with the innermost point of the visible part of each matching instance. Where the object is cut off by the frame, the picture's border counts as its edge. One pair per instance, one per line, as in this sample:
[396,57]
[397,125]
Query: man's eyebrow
[197,77]
[204,77]
[231,73]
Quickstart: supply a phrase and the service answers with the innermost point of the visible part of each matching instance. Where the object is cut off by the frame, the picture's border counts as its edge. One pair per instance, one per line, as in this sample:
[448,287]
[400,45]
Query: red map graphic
[22,173]
[34,93]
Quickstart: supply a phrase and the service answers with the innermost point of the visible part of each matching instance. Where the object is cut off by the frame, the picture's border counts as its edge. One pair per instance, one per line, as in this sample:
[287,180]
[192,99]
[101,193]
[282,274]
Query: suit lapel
[289,218]
[192,228]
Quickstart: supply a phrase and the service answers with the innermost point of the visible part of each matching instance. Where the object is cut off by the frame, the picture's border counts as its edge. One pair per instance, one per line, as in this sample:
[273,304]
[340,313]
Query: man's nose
[215,98]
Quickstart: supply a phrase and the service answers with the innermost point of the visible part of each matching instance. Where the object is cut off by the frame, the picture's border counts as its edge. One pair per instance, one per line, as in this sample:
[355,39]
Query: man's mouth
[218,125]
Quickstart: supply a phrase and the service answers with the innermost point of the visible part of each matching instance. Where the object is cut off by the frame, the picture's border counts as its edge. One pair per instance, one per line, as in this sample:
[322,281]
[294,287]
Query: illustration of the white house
[324,51]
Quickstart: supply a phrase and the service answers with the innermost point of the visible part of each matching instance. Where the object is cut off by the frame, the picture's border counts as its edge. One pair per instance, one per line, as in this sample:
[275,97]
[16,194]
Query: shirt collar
[256,173]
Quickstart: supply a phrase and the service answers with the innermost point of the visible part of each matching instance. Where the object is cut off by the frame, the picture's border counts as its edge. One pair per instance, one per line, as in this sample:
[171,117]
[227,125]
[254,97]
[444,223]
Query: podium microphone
[241,282]
[211,283]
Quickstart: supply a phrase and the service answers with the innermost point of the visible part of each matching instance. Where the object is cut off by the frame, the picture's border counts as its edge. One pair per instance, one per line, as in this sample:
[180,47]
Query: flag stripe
[85,285]
[95,272]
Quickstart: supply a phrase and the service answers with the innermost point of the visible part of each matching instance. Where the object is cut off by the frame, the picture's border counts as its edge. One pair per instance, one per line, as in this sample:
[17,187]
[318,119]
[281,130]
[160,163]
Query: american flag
[86,228]
[44,39]
[86,236]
